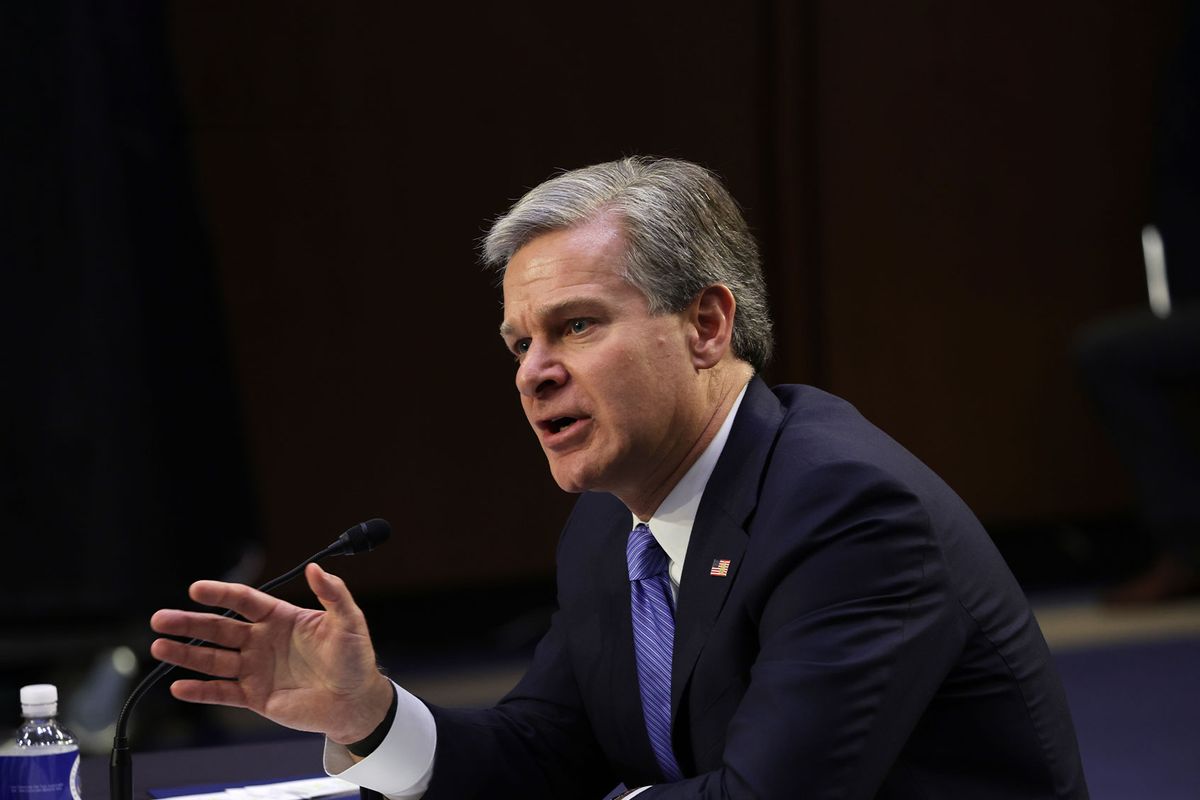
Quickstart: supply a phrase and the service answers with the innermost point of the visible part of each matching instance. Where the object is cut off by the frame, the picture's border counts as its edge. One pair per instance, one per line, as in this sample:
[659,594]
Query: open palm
[306,669]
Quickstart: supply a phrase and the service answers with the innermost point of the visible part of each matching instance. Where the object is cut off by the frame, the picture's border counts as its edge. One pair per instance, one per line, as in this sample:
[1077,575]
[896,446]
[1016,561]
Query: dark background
[242,306]
[944,193]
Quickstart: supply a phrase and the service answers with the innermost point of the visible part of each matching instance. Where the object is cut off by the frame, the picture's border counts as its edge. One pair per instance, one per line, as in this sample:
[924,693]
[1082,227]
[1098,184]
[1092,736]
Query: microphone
[362,538]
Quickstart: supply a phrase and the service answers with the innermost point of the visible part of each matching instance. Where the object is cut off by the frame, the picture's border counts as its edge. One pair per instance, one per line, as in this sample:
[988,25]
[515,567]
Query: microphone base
[120,772]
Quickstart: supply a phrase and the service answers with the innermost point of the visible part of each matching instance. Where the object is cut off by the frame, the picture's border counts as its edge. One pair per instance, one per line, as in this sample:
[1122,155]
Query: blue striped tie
[653,639]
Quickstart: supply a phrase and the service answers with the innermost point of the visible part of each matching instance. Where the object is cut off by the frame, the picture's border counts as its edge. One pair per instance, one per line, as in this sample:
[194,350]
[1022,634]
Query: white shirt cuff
[402,765]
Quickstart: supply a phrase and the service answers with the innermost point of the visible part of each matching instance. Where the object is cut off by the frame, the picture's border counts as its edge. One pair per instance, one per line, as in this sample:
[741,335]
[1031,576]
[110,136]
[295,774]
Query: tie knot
[646,559]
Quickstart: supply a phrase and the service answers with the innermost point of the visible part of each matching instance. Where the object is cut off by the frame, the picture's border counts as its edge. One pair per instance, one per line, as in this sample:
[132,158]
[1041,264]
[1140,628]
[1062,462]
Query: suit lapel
[719,531]
[615,577]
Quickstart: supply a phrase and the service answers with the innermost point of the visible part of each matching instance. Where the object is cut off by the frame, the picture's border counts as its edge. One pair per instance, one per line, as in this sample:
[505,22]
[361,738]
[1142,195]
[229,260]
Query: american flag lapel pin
[720,567]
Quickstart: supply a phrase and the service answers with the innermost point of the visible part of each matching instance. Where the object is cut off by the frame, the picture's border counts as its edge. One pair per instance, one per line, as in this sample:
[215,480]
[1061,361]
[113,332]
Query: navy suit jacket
[867,641]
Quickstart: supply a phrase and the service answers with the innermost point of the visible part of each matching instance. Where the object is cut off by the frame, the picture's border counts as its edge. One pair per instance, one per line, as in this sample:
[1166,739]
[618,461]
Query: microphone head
[364,537]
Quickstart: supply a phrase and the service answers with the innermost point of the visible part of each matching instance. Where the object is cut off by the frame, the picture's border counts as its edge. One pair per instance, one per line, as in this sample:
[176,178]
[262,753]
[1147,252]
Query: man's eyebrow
[559,308]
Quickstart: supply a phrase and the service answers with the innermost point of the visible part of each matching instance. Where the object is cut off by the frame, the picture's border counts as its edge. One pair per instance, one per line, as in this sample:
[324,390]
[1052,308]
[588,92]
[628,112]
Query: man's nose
[540,371]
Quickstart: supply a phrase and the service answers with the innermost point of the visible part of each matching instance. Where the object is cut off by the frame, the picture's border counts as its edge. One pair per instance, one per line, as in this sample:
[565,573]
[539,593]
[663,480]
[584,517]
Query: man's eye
[520,348]
[579,325]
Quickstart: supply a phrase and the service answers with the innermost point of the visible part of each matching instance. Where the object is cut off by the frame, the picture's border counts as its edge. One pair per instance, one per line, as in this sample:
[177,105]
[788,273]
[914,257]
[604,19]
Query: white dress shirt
[402,765]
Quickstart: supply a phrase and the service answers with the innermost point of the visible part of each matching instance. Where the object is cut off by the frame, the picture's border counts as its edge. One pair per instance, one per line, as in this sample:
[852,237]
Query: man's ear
[710,321]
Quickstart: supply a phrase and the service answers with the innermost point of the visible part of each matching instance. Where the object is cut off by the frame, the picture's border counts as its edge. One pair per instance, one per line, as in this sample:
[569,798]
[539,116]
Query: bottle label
[54,776]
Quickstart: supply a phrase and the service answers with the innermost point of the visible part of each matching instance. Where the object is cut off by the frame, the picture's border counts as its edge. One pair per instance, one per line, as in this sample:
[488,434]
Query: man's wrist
[366,745]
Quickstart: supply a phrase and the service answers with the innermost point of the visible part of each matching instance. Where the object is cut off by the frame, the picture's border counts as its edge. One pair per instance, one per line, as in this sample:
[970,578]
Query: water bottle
[42,763]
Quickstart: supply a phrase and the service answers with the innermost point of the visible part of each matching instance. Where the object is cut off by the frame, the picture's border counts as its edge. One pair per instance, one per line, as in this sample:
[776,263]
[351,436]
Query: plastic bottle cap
[39,699]
[39,694]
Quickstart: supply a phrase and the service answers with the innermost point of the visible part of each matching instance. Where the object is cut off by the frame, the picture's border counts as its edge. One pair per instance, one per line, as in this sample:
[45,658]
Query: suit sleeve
[857,629]
[535,743]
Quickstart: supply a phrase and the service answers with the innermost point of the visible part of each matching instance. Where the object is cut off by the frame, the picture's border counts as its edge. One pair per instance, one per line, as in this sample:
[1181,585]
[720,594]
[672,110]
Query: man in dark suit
[760,593]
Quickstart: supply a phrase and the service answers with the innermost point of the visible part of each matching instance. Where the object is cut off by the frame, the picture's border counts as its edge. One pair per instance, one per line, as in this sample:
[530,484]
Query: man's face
[609,388]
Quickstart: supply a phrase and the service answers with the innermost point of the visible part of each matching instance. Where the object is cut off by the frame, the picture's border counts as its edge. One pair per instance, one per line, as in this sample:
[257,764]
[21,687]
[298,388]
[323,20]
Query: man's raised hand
[305,669]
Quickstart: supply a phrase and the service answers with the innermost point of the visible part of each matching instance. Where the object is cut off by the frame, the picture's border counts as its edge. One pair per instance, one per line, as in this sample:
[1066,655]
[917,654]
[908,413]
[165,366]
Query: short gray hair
[683,230]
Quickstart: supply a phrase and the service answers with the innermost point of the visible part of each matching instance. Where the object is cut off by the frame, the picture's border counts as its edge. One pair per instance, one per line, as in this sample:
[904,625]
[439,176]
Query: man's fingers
[220,693]
[198,625]
[250,603]
[207,660]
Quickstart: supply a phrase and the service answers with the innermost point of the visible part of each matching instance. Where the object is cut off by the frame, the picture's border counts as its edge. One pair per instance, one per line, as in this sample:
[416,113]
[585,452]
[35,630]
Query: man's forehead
[597,243]
[543,273]
[591,252]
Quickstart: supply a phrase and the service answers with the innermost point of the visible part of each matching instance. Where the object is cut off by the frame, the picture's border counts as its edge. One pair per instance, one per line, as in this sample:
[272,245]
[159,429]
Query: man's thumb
[330,590]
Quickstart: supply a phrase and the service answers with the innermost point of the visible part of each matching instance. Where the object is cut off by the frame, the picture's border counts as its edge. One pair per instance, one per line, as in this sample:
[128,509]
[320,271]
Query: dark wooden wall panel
[984,176]
[350,156]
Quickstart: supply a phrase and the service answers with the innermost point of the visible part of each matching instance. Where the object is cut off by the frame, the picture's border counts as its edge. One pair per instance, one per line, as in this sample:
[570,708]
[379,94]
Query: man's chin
[570,480]
[570,486]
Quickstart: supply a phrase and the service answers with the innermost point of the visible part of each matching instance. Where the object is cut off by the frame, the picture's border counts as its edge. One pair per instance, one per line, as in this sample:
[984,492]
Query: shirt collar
[672,523]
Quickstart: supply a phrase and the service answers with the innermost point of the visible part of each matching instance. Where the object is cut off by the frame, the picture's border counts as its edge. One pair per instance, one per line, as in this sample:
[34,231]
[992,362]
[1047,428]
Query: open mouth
[560,424]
